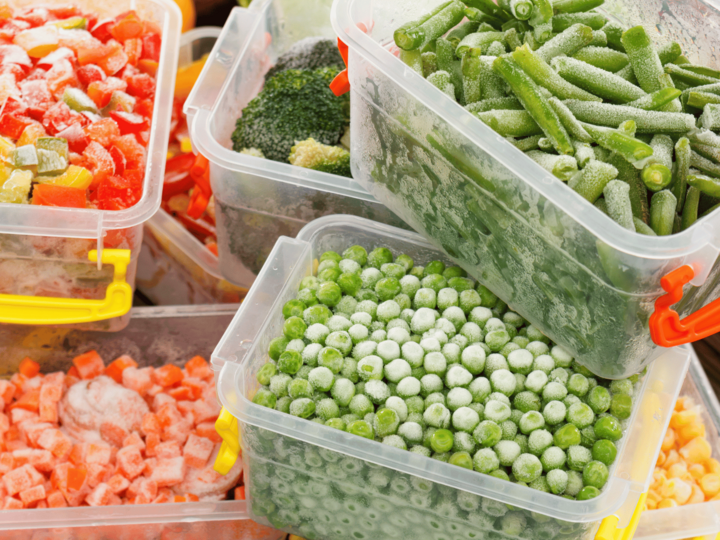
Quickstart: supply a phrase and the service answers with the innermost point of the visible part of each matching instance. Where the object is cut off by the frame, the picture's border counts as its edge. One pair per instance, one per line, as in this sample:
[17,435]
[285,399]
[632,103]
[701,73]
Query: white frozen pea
[451,352]
[378,336]
[348,266]
[408,387]
[480,316]
[369,277]
[363,349]
[361,317]
[458,397]
[465,419]
[520,361]
[413,353]
[321,379]
[410,285]
[338,323]
[561,356]
[536,381]
[310,354]
[430,344]
[296,345]
[480,389]
[457,376]
[423,320]
[437,415]
[343,391]
[398,405]
[507,452]
[328,263]
[446,326]
[340,341]
[497,411]
[358,333]
[435,334]
[388,350]
[398,335]
[503,381]
[435,363]
[388,311]
[456,316]
[377,391]
[407,315]
[370,367]
[397,370]
[473,332]
[494,324]
[460,340]
[317,333]
[473,359]
[430,383]
[544,362]
[411,432]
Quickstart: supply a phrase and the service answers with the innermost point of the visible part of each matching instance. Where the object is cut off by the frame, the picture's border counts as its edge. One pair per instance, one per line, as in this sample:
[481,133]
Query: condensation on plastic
[584,280]
[174,267]
[155,336]
[693,520]
[259,200]
[43,249]
[243,351]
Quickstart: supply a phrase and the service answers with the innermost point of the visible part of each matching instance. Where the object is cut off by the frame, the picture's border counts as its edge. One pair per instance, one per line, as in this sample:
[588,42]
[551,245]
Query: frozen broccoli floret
[309,53]
[311,154]
[254,152]
[293,106]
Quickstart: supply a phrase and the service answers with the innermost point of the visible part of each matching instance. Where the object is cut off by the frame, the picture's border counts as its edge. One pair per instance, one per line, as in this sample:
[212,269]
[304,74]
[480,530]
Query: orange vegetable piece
[697,471]
[713,465]
[76,477]
[198,367]
[168,375]
[29,401]
[710,484]
[240,493]
[690,431]
[683,418]
[697,495]
[669,440]
[191,497]
[179,499]
[116,367]
[29,367]
[696,451]
[89,365]
[665,503]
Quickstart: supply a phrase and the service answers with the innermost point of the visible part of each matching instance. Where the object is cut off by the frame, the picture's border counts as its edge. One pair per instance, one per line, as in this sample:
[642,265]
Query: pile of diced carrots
[43,466]
[686,472]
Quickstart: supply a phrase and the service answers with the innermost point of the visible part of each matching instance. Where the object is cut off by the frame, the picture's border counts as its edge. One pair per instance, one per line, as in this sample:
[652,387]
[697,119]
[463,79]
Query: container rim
[93,223]
[705,232]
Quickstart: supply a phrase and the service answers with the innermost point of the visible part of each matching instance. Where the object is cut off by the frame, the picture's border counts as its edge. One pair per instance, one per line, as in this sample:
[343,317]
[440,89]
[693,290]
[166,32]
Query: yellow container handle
[19,309]
[227,427]
[609,530]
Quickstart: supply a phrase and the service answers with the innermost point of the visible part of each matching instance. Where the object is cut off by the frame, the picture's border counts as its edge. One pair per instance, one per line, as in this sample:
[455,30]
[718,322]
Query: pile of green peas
[424,359]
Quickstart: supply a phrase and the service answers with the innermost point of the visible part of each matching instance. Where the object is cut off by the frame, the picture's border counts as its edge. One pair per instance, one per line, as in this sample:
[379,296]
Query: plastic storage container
[695,520]
[362,489]
[175,268]
[46,274]
[563,265]
[258,200]
[154,336]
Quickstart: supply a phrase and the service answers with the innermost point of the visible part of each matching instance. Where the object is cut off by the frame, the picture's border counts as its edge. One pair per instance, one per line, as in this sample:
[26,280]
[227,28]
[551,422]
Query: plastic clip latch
[200,198]
[608,528]
[666,328]
[227,427]
[341,83]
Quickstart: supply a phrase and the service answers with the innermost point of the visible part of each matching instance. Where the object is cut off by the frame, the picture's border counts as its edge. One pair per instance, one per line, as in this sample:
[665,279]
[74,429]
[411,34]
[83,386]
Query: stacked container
[48,273]
[320,482]
[258,200]
[570,270]
[154,336]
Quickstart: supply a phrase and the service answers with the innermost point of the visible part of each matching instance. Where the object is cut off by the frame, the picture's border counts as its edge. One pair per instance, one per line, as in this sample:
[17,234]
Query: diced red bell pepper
[103,131]
[133,152]
[101,91]
[176,182]
[14,54]
[148,66]
[151,47]
[180,163]
[197,227]
[60,76]
[127,26]
[140,85]
[114,61]
[37,96]
[119,159]
[14,106]
[63,53]
[76,138]
[89,74]
[60,117]
[145,107]
[143,137]
[100,161]
[64,12]
[12,126]
[101,29]
[35,17]
[87,54]
[13,69]
[12,29]
[133,49]
[151,27]
[52,195]
[117,193]
[129,122]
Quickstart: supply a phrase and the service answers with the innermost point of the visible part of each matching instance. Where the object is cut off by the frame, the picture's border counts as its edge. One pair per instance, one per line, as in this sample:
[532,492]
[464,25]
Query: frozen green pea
[536,381]
[357,254]
[539,441]
[507,452]
[487,433]
[303,407]
[578,385]
[430,383]
[560,375]
[343,391]
[460,284]
[544,363]
[567,436]
[461,459]
[349,283]
[387,288]
[540,484]
[609,428]
[531,421]
[624,386]
[340,341]
[348,266]
[508,348]
[520,382]
[588,492]
[293,308]
[283,404]
[366,294]
[520,361]
[441,441]
[595,474]
[377,391]
[321,379]
[367,306]
[328,275]
[309,282]
[336,423]
[469,300]
[503,381]
[361,317]
[445,326]
[489,300]
[330,358]
[394,270]
[378,334]
[290,362]
[452,353]
[277,347]
[561,356]
[362,429]
[388,350]
[316,314]
[527,401]
[621,406]
[358,333]
[554,412]
[480,389]
[300,388]
[266,373]
[307,297]
[554,391]
[360,405]
[571,400]
[485,461]
[265,398]
[527,468]
[403,301]
[522,441]
[480,316]
[327,409]
[599,399]
[553,458]
[509,429]
[464,442]
[446,298]
[405,261]
[411,432]
[379,256]
[493,362]
[520,341]
[515,416]
[435,282]
[410,285]
[423,320]
[497,396]
[386,422]
[349,370]
[472,332]
[497,339]
[339,322]
[497,411]
[581,415]
[434,267]
[297,345]
[578,457]
[279,384]
[330,256]
[437,415]
[395,441]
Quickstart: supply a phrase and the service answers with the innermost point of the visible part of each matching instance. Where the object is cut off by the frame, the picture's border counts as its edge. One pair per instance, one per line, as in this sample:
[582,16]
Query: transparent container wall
[173,269]
[562,264]
[155,336]
[59,268]
[695,520]
[307,478]
[259,200]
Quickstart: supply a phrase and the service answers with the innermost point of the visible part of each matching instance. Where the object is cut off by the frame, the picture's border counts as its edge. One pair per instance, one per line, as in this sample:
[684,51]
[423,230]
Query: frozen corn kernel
[710,484]
[697,471]
[697,450]
[697,495]
[677,489]
[669,440]
[691,431]
[667,503]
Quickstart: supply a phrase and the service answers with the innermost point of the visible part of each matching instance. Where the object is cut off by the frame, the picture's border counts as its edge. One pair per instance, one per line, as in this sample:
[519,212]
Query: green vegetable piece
[442,440]
[386,422]
[591,181]
[567,42]
[689,78]
[705,184]
[646,121]
[521,9]
[480,42]
[25,157]
[617,198]
[588,492]
[663,205]
[456,35]
[293,308]
[303,407]
[488,7]
[657,100]
[602,58]
[300,388]
[563,167]
[643,58]
[417,34]
[527,468]
[631,149]
[357,254]
[290,362]
[265,398]
[576,6]
[621,406]
[362,429]
[609,428]
[277,347]
[567,436]
[267,372]
[595,474]
[690,209]
[604,451]
[595,80]
[700,99]
[294,328]
[642,227]
[79,101]
[510,123]
[461,459]
[442,81]
[413,59]
[710,118]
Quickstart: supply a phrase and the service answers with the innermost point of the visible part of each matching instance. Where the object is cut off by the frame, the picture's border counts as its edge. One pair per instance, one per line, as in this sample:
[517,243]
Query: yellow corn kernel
[683,418]
[651,505]
[661,459]
[680,404]
[659,478]
[715,498]
[185,145]
[654,495]
[697,496]
[710,484]
[667,503]
[697,471]
[689,432]
[678,470]
[669,440]
[6,147]
[677,489]
[672,458]
[713,465]
[696,451]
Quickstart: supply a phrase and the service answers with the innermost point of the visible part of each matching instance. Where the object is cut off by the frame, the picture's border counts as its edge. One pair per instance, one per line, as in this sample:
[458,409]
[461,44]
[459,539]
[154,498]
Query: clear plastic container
[562,264]
[44,251]
[695,520]
[282,449]
[175,268]
[154,336]
[258,200]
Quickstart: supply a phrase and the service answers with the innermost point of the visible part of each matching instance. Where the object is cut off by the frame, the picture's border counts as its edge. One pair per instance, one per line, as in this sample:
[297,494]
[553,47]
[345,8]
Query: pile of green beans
[631,127]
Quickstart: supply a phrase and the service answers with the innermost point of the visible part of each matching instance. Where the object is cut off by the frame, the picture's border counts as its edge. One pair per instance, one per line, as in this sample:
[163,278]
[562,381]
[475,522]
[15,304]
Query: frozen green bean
[535,103]
[492,84]
[599,39]
[481,17]
[690,209]
[594,20]
[657,100]
[596,81]
[590,182]
[413,59]
[702,70]
[629,174]
[583,153]
[642,227]
[480,40]
[614,32]
[630,148]
[647,121]
[417,34]
[710,118]
[510,123]
[643,58]
[617,199]
[708,152]
[657,173]
[662,212]
[494,104]
[705,184]
[688,77]
[704,165]
[567,42]
[704,136]
[568,120]
[681,168]
[456,35]
[603,58]
[429,63]
[561,166]
[443,82]
[700,99]
[512,38]
[489,7]
[471,71]
[576,6]
[526,144]
[496,48]
[521,9]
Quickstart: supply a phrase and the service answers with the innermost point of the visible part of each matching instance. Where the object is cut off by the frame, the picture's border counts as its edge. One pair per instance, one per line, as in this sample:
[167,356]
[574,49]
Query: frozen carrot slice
[137,379]
[207,430]
[33,494]
[168,449]
[130,462]
[168,415]
[17,480]
[147,492]
[179,499]
[113,432]
[197,451]
[204,412]
[29,367]
[169,472]
[97,473]
[12,503]
[195,384]
[118,483]
[48,410]
[168,375]
[7,463]
[99,453]
[100,496]
[191,497]
[117,366]
[89,365]
[7,390]
[181,394]
[134,440]
[55,499]
[161,399]
[179,431]
[198,367]
[56,441]
[151,424]
[76,477]
[29,401]
[151,443]
[240,493]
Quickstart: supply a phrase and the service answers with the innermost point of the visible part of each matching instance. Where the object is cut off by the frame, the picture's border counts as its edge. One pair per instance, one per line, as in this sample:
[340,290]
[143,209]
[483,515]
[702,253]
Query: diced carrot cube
[18,480]
[97,473]
[113,432]
[100,496]
[134,440]
[7,390]
[146,492]
[181,393]
[150,424]
[117,366]
[203,412]
[197,451]
[240,493]
[155,389]
[207,430]
[12,503]
[168,415]
[59,476]
[4,422]
[77,454]
[198,367]
[191,497]
[89,365]
[33,494]
[29,367]
[99,453]
[55,441]
[178,432]
[161,498]
[161,399]
[41,504]
[168,375]
[29,401]
[209,476]
[137,379]
[169,472]
[118,483]
[150,464]
[134,487]
[179,499]
[151,443]
[195,384]
[76,477]
[130,462]
[7,462]
[48,410]
[55,499]
[167,450]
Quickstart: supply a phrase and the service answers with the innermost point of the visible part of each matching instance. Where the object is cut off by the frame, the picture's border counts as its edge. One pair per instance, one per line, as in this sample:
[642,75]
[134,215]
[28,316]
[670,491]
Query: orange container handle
[200,198]
[666,328]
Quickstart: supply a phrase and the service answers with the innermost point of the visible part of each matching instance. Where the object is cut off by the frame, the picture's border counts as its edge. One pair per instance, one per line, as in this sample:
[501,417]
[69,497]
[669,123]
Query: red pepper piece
[129,122]
[119,160]
[89,74]
[127,26]
[101,30]
[52,195]
[175,183]
[12,126]
[151,47]
[76,138]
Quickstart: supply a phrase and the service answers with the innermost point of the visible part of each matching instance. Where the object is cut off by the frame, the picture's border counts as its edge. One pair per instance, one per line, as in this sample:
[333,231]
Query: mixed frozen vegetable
[77,95]
[296,118]
[426,360]
[117,434]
